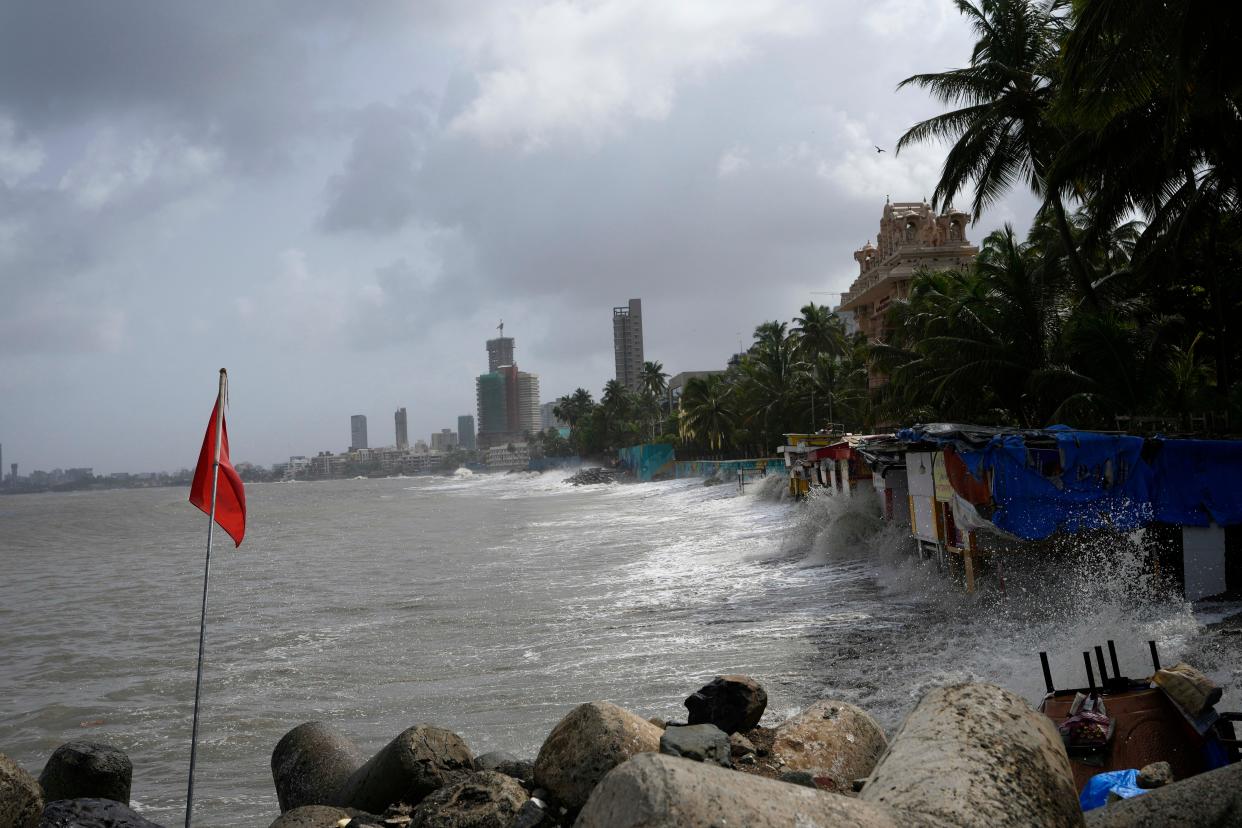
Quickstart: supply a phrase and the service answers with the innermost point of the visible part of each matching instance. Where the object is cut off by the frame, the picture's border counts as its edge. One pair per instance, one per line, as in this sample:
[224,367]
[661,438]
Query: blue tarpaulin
[1198,482]
[1059,479]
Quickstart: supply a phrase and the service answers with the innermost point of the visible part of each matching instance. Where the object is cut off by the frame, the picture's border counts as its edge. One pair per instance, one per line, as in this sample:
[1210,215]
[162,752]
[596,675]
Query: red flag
[230,494]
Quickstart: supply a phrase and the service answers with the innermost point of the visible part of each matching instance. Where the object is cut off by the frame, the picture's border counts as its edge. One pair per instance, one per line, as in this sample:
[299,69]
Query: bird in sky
[877,149]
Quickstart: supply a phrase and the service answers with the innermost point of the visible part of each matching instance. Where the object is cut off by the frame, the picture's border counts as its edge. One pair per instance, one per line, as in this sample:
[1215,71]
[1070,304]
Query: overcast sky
[339,201]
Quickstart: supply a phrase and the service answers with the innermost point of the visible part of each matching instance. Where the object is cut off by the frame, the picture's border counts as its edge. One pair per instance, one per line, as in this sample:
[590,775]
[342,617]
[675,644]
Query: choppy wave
[493,603]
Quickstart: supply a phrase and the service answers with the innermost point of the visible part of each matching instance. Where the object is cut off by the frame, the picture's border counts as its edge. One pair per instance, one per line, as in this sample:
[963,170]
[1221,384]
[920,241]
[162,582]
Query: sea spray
[1063,597]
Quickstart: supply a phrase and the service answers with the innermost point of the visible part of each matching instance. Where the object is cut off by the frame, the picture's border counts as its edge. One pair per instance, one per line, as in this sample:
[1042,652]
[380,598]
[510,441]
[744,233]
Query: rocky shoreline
[967,755]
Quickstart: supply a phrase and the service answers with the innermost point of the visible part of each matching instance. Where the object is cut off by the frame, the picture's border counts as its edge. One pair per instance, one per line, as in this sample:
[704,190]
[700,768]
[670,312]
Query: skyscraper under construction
[507,399]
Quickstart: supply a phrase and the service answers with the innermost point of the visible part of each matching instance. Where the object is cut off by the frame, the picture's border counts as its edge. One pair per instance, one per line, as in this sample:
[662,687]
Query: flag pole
[202,625]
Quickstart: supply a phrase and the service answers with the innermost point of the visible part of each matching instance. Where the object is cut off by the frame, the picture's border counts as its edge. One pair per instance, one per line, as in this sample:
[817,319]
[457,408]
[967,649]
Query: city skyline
[349,228]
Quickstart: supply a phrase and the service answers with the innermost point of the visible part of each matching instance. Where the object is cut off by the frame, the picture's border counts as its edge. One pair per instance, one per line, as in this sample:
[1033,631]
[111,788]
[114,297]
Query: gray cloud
[340,203]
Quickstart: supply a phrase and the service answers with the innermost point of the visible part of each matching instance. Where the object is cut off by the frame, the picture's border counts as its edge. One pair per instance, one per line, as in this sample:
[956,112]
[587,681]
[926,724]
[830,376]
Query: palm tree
[1002,130]
[653,379]
[819,331]
[654,384]
[706,410]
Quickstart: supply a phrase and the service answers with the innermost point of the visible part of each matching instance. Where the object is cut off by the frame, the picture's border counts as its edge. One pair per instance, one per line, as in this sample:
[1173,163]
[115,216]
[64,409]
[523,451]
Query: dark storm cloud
[344,199]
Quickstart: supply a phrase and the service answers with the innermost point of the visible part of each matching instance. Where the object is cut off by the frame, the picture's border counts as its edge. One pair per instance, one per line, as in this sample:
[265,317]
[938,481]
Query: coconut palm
[653,380]
[706,411]
[1002,130]
[819,331]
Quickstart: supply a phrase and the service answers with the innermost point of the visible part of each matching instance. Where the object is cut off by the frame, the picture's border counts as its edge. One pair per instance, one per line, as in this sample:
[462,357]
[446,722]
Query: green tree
[1002,130]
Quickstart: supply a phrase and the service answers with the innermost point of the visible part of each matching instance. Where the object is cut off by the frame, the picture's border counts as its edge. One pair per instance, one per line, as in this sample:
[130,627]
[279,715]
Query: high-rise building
[627,343]
[499,352]
[528,403]
[465,432]
[490,395]
[403,433]
[358,432]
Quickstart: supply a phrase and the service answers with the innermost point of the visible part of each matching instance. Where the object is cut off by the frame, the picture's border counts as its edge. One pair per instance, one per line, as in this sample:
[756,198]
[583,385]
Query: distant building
[357,432]
[403,433]
[490,400]
[444,440]
[465,432]
[499,352]
[677,385]
[627,343]
[13,474]
[420,447]
[548,418]
[528,402]
[912,237]
[511,455]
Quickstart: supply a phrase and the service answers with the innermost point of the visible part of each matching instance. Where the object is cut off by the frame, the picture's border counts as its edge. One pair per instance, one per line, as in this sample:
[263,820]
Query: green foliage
[1126,109]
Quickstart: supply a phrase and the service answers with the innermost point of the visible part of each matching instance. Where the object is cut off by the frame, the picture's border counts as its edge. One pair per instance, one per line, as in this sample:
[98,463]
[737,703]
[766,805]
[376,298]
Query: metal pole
[202,624]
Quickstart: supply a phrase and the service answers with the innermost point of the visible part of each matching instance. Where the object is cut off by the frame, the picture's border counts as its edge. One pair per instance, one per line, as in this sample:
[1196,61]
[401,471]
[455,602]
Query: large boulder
[702,743]
[421,759]
[1209,800]
[731,703]
[975,754]
[590,741]
[658,791]
[87,770]
[484,799]
[21,798]
[92,813]
[506,763]
[311,816]
[311,763]
[833,741]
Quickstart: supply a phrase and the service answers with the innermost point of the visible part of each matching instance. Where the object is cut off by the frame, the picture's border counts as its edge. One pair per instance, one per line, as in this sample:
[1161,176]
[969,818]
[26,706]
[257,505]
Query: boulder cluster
[967,755]
[594,476]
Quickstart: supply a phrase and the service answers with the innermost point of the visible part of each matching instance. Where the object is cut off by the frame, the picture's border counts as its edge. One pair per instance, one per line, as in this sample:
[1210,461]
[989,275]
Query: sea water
[493,604]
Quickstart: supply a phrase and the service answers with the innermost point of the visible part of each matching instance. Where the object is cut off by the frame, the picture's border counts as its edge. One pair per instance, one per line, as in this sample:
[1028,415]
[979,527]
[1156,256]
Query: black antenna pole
[1086,659]
[1043,661]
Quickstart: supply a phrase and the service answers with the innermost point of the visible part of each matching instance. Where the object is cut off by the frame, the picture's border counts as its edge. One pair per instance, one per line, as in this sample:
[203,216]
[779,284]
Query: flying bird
[877,149]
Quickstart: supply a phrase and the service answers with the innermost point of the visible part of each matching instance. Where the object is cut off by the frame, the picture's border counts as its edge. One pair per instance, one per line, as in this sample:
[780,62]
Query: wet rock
[666,791]
[802,778]
[484,799]
[833,741]
[87,770]
[975,754]
[739,745]
[21,798]
[1208,800]
[310,764]
[506,763]
[593,476]
[590,741]
[311,816]
[92,812]
[421,759]
[658,722]
[1155,775]
[533,813]
[731,703]
[702,743]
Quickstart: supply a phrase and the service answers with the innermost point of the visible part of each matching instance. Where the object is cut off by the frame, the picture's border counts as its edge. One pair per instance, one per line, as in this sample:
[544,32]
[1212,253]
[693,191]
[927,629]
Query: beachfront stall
[971,491]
